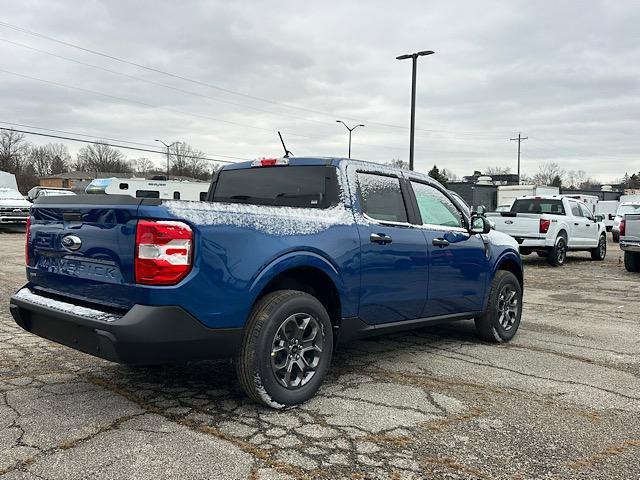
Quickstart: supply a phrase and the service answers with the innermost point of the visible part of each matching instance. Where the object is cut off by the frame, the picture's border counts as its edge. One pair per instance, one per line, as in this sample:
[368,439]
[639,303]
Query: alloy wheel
[296,350]
[508,307]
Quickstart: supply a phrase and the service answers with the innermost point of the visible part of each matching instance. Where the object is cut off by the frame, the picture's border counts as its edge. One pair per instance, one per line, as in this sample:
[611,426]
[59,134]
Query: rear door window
[575,209]
[287,186]
[381,197]
[538,206]
[584,211]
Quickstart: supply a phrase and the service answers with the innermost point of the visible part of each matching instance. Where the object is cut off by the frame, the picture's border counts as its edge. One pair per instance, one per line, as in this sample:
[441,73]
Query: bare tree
[142,165]
[451,177]
[187,161]
[497,170]
[397,163]
[13,149]
[100,157]
[547,173]
[49,159]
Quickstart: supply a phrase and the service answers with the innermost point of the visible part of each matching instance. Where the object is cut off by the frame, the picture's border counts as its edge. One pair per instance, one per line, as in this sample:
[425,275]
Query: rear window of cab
[538,205]
[312,186]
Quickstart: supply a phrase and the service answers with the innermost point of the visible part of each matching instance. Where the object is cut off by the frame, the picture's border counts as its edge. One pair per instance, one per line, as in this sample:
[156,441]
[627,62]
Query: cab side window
[575,209]
[435,208]
[584,211]
[381,197]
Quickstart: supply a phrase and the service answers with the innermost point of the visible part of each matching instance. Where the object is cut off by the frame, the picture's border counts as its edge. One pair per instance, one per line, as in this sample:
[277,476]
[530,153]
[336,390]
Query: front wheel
[632,261]
[600,251]
[501,319]
[287,349]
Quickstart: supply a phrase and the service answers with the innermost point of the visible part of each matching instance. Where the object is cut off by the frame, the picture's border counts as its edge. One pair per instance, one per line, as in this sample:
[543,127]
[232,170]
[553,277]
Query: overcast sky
[564,73]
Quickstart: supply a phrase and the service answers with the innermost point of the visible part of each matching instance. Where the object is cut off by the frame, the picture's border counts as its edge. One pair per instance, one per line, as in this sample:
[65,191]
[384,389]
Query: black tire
[632,261]
[490,326]
[543,253]
[256,362]
[616,237]
[600,251]
[558,254]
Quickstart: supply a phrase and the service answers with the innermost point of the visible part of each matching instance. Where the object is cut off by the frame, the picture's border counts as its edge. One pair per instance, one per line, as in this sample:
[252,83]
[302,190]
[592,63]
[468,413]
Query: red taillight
[26,241]
[544,225]
[622,226]
[164,250]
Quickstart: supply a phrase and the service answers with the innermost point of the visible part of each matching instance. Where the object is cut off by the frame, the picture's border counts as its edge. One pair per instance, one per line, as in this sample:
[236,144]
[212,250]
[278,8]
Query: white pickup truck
[551,226]
[630,241]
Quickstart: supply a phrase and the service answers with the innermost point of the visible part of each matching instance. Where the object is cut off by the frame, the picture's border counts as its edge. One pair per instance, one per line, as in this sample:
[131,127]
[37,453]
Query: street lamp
[168,155]
[414,57]
[350,130]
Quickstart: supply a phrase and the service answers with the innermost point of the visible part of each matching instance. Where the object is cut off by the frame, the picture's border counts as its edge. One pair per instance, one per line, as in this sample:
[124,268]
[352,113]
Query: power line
[138,102]
[159,84]
[222,89]
[109,144]
[110,139]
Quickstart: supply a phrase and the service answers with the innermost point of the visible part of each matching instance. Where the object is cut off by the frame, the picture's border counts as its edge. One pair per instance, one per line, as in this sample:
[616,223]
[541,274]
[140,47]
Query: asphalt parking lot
[562,400]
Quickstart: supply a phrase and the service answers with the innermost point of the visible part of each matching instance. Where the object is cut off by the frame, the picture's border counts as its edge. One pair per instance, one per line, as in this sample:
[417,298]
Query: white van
[141,188]
[608,209]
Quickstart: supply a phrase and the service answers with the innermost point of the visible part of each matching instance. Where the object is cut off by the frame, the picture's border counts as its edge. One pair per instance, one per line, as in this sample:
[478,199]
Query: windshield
[9,193]
[291,186]
[624,209]
[538,205]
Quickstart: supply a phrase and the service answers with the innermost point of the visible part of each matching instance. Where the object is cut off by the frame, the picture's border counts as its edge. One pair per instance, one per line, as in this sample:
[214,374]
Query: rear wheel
[600,251]
[287,349]
[558,254]
[632,261]
[501,320]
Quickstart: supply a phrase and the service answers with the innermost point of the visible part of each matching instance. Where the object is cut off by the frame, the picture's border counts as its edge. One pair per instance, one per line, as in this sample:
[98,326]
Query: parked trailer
[508,193]
[140,188]
[608,209]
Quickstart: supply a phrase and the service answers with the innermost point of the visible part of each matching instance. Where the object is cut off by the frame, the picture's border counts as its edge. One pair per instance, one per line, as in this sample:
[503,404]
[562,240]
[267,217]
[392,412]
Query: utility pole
[168,154]
[520,139]
[351,129]
[414,58]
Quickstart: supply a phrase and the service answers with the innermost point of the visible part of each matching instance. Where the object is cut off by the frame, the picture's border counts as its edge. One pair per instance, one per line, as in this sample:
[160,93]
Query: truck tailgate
[83,247]
[517,224]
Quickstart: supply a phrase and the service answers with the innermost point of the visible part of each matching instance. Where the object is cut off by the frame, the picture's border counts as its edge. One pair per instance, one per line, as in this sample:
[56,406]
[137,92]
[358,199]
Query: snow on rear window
[29,296]
[271,220]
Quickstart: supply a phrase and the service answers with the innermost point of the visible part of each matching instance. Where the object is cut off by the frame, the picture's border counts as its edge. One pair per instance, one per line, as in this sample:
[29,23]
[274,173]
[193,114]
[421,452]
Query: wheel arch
[307,272]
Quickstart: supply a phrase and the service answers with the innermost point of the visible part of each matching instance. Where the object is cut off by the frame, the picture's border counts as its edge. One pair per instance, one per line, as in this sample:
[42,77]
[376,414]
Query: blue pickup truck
[286,258]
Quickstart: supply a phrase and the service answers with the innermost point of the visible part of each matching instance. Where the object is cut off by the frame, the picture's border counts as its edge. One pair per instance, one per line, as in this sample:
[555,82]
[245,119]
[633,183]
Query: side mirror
[481,210]
[599,218]
[479,224]
[611,216]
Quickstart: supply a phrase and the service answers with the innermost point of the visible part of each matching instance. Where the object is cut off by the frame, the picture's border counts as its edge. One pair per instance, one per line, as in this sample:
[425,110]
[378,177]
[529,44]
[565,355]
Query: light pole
[350,130]
[168,155]
[414,57]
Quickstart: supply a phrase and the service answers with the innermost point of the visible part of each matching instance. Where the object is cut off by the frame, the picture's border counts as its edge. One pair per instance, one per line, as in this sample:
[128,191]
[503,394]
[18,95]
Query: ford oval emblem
[71,242]
[508,222]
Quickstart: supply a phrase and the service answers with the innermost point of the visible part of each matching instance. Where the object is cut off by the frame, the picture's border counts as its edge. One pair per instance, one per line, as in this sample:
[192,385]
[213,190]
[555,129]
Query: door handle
[588,224]
[380,238]
[440,242]
[576,224]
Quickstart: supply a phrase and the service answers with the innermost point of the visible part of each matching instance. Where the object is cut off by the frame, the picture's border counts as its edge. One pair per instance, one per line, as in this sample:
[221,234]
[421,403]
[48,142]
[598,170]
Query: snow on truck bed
[267,219]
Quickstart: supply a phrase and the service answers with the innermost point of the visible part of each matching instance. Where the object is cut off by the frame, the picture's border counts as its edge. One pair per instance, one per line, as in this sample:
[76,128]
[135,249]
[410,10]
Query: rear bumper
[533,243]
[144,335]
[630,245]
[13,220]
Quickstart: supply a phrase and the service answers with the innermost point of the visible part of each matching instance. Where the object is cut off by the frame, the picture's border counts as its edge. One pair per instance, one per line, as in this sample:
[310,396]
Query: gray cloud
[564,73]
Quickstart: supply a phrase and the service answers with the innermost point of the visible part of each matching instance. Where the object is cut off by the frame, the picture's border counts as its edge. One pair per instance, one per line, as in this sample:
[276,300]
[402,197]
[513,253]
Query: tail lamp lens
[164,252]
[622,226]
[544,225]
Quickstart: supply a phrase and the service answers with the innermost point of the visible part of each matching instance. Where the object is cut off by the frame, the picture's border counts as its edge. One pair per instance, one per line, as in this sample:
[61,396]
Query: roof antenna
[287,153]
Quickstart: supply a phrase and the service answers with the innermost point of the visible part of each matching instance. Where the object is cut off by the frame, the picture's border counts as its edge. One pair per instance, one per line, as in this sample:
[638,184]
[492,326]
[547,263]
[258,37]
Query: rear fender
[297,259]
